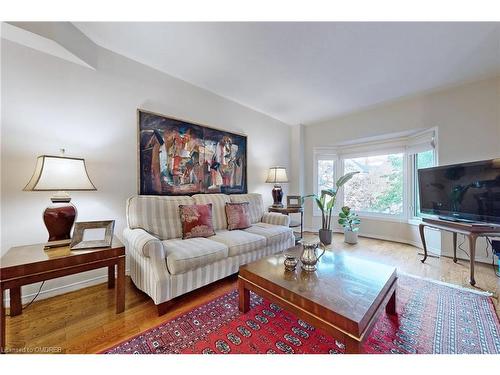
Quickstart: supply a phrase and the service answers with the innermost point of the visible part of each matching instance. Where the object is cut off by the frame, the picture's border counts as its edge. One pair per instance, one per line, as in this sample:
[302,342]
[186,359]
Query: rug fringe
[480,292]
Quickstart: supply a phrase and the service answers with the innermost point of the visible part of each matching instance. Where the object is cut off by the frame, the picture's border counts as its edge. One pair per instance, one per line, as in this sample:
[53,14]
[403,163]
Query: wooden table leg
[2,322]
[353,346]
[390,308]
[16,307]
[244,297]
[120,287]
[472,250]
[111,277]
[422,237]
[454,247]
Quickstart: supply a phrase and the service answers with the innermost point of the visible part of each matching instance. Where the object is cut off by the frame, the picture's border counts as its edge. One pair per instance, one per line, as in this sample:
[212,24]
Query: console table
[293,224]
[25,265]
[471,230]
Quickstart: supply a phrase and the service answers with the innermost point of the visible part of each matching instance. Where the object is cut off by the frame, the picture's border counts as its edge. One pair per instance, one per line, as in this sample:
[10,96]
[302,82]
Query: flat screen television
[468,192]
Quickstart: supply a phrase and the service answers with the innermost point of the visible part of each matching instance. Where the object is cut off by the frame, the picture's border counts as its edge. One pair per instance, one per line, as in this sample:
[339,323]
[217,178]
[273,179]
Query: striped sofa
[165,266]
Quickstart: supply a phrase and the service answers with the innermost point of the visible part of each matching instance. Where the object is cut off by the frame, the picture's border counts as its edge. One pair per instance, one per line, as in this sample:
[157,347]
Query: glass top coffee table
[344,297]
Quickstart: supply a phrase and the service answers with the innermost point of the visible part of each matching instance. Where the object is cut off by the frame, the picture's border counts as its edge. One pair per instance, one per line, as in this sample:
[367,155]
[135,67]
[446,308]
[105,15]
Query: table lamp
[276,176]
[60,174]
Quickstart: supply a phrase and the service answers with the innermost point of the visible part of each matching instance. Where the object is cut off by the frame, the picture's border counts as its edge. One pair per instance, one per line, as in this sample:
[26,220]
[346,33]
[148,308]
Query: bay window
[387,185]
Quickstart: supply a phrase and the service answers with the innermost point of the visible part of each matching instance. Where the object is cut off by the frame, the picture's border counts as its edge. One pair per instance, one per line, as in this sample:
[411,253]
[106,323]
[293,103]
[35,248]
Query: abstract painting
[181,158]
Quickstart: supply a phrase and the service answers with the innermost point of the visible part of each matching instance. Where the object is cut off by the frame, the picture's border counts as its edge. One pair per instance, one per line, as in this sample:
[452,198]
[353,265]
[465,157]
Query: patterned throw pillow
[196,220]
[238,215]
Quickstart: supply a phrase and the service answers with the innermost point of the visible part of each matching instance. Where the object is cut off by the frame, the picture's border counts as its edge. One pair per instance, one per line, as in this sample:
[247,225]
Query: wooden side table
[471,230]
[25,265]
[293,224]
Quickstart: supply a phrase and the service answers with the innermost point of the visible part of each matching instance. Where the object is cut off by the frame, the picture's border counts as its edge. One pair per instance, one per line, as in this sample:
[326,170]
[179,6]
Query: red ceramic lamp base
[277,196]
[59,218]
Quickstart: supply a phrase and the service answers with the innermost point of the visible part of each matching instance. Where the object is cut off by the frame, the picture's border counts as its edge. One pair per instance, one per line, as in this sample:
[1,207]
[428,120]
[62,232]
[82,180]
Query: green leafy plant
[326,200]
[348,219]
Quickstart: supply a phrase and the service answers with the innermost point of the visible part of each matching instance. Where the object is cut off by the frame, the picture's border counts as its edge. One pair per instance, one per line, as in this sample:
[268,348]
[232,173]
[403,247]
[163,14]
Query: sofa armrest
[148,268]
[276,218]
[143,243]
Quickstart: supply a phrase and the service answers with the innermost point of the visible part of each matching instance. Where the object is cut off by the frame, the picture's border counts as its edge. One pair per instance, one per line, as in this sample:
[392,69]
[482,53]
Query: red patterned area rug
[432,318]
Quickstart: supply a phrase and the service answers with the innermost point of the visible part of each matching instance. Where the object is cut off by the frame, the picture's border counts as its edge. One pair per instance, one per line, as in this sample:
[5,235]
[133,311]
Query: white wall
[296,170]
[468,122]
[49,103]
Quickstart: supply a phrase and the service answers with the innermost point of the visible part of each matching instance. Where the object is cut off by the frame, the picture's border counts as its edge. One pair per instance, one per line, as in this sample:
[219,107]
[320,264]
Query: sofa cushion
[274,233]
[187,255]
[218,207]
[237,215]
[238,241]
[158,216]
[196,220]
[256,206]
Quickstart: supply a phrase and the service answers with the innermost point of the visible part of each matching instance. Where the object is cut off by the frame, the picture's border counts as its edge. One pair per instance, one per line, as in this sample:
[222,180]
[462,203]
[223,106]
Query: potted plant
[350,221]
[326,202]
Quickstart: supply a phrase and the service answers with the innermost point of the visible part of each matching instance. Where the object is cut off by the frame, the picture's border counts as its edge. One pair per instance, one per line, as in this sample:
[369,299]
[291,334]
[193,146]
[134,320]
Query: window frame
[409,145]
[323,153]
[412,204]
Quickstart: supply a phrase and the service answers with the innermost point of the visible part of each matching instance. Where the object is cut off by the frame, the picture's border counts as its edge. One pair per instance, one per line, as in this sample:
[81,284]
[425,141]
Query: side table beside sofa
[30,264]
[293,224]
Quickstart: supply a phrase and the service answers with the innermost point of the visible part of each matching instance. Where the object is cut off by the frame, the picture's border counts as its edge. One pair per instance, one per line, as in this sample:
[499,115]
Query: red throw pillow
[196,220]
[238,215]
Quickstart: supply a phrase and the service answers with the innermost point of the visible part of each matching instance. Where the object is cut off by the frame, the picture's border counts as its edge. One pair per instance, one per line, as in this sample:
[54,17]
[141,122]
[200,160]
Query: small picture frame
[293,201]
[92,234]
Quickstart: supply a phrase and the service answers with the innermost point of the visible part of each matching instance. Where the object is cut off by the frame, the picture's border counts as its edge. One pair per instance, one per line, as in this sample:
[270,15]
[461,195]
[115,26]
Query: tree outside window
[379,186]
[325,174]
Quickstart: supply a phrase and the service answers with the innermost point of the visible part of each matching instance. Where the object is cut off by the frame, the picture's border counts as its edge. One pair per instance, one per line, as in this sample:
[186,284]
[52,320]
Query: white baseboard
[431,250]
[479,259]
[310,229]
[62,289]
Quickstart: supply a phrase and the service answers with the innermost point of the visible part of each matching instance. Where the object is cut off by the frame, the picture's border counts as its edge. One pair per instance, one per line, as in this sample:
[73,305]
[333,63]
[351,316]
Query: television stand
[471,230]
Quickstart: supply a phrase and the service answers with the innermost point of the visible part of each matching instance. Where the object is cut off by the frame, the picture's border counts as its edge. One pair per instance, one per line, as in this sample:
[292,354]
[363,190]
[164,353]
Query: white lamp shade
[277,175]
[56,173]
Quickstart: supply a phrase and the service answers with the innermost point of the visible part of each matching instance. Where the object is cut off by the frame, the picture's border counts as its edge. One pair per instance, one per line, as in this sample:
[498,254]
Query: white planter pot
[350,237]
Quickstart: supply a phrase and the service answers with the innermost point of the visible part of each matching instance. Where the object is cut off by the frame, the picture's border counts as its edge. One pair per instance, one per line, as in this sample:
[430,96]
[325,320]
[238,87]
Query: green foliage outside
[393,196]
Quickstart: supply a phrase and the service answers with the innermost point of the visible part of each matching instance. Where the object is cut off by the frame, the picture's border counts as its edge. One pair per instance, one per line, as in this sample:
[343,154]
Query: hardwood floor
[84,321]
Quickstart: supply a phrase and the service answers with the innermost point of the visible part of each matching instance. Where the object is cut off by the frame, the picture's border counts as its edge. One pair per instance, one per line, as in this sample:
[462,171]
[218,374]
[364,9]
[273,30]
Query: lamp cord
[461,244]
[497,272]
[488,244]
[33,300]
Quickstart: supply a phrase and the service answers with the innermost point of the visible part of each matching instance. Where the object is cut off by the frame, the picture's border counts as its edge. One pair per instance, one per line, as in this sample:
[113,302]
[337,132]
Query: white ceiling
[309,72]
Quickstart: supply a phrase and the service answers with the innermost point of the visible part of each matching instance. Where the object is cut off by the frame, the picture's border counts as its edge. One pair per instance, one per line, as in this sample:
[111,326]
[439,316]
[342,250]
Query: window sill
[374,217]
[392,219]
[414,221]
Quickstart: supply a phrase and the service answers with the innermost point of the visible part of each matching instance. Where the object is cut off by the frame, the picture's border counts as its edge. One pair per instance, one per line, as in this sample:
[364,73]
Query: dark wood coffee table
[344,296]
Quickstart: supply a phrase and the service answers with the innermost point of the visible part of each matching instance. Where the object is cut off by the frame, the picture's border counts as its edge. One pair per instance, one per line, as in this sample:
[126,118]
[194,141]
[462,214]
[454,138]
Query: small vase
[325,236]
[290,262]
[351,237]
